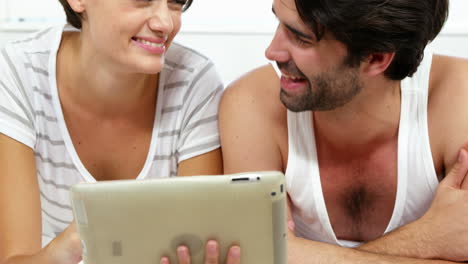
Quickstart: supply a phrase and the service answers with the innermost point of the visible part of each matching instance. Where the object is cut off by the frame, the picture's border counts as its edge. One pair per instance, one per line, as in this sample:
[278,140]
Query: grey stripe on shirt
[46,117]
[63,206]
[189,128]
[196,79]
[175,85]
[163,157]
[54,184]
[44,94]
[20,104]
[169,133]
[19,83]
[55,164]
[36,69]
[51,141]
[16,116]
[192,50]
[55,218]
[44,52]
[177,66]
[201,105]
[200,122]
[171,109]
[37,36]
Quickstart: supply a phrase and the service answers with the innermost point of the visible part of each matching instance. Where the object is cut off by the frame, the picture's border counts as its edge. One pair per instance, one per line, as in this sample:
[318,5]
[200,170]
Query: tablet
[130,221]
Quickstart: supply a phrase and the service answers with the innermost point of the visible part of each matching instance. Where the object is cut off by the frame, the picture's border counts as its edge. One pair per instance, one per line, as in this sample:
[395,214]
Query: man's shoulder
[253,123]
[257,90]
[256,81]
[448,79]
[446,70]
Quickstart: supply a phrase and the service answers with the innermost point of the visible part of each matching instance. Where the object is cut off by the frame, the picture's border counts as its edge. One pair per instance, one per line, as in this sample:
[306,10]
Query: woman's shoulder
[23,59]
[187,67]
[184,58]
[32,51]
[36,42]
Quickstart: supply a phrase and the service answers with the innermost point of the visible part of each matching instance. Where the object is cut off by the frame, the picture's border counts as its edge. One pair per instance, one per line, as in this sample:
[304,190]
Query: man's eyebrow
[293,30]
[299,33]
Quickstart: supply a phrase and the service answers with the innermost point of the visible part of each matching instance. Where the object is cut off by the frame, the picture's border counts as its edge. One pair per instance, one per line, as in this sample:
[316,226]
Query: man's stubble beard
[330,90]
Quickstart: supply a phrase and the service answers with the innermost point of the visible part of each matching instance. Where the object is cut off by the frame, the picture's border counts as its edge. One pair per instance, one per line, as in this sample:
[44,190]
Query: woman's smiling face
[132,35]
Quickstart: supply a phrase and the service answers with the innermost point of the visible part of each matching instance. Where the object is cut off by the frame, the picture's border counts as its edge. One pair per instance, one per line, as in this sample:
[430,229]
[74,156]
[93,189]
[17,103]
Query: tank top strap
[420,81]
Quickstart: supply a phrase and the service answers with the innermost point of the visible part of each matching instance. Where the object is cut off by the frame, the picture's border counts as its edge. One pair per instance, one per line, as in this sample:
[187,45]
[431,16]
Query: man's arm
[442,231]
[302,251]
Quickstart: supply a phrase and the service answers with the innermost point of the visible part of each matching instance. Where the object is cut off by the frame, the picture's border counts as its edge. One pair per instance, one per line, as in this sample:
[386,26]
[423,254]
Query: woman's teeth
[152,44]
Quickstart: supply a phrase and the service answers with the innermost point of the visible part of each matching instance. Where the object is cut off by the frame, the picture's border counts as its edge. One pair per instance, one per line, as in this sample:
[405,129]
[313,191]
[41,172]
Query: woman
[103,99]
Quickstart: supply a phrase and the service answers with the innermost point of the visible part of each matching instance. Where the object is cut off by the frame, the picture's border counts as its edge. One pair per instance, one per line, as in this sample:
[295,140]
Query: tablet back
[127,222]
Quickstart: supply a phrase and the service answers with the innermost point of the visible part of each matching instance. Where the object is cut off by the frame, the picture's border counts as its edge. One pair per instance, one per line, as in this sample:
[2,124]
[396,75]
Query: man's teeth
[152,44]
[292,77]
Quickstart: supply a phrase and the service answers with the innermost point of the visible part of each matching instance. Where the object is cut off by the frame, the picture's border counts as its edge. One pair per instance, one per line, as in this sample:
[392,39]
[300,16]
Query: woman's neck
[93,84]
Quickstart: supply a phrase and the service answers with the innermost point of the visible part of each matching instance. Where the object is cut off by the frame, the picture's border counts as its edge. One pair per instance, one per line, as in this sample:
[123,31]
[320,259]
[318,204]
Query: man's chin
[301,103]
[292,103]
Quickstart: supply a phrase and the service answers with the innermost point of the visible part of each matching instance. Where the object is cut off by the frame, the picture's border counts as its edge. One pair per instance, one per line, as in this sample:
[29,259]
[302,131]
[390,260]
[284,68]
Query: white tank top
[417,179]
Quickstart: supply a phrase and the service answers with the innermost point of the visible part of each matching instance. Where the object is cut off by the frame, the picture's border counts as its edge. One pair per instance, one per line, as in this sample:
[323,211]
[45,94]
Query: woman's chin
[152,68]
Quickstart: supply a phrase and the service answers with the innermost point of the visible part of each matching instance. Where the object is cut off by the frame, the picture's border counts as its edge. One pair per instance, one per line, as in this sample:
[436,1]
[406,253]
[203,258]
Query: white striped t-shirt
[185,123]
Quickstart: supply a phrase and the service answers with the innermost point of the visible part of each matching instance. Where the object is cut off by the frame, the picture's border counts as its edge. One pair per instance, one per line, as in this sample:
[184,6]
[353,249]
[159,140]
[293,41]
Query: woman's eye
[173,4]
[178,2]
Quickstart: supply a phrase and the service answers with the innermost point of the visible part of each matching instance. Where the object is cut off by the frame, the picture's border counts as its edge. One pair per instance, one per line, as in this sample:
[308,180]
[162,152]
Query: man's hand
[211,254]
[445,224]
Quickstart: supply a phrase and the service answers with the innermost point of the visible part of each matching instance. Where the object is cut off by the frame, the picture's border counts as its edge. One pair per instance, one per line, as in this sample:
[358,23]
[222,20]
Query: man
[367,126]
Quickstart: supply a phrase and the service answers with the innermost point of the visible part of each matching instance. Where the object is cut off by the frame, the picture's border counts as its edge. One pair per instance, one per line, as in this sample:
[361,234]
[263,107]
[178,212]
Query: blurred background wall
[234,34]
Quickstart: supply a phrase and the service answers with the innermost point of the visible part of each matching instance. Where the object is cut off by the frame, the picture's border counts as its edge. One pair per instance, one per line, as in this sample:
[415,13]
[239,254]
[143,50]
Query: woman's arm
[20,213]
[210,163]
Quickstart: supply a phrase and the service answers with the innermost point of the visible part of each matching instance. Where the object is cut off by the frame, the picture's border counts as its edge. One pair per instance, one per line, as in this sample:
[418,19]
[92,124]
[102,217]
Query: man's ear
[77,5]
[377,63]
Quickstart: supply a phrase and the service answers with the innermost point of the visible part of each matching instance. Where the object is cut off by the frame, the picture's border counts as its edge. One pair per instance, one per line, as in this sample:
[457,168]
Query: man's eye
[300,41]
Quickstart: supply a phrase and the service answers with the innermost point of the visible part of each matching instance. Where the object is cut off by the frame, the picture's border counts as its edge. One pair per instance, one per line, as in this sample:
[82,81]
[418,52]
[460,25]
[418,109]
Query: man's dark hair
[75,19]
[367,26]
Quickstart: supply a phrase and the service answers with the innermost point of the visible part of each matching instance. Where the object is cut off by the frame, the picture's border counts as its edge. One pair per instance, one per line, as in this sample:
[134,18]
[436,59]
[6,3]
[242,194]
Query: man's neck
[370,119]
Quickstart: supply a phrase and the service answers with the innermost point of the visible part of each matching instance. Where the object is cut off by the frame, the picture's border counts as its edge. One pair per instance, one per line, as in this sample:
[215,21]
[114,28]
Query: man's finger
[464,184]
[457,174]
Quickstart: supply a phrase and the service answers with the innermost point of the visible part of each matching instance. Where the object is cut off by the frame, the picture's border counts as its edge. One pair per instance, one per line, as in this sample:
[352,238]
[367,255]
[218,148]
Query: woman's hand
[66,247]
[211,254]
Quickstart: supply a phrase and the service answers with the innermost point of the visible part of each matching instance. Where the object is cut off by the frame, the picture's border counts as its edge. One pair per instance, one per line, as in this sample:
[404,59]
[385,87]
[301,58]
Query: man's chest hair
[360,196]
